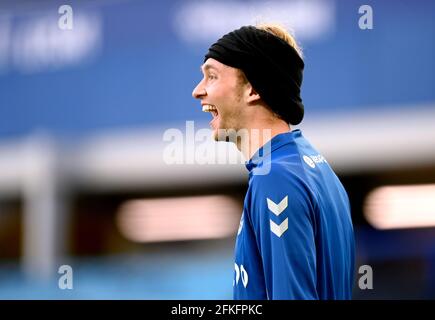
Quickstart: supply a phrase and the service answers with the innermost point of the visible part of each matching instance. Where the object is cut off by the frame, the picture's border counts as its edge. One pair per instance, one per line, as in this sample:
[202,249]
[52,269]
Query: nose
[199,91]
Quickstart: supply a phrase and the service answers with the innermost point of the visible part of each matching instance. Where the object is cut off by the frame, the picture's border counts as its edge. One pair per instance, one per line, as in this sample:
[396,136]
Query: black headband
[271,65]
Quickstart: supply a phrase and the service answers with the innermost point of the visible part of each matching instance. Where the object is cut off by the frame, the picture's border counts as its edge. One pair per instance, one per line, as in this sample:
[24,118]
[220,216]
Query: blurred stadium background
[83,113]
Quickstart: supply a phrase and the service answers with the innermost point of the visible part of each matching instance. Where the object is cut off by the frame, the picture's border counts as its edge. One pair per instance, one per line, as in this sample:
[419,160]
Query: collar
[275,143]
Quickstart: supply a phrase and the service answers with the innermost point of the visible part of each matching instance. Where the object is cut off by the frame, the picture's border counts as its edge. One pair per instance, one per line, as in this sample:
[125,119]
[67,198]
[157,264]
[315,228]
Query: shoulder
[285,183]
[282,177]
[278,195]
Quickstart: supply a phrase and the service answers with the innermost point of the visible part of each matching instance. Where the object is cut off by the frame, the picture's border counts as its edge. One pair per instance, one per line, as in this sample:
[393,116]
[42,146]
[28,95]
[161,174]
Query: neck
[258,134]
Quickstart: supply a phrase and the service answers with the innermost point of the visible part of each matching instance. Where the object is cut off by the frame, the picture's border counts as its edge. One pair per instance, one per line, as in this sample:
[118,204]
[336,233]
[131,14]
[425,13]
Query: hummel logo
[277,208]
[279,229]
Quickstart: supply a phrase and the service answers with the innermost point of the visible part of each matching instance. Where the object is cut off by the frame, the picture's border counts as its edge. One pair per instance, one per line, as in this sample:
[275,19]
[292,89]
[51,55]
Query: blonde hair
[281,32]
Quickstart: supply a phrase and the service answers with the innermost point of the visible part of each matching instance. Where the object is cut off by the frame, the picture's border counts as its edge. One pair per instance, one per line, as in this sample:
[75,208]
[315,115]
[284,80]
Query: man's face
[221,94]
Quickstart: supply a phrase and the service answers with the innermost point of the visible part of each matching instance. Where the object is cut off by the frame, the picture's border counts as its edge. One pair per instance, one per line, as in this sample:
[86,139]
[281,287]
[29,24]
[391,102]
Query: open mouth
[212,109]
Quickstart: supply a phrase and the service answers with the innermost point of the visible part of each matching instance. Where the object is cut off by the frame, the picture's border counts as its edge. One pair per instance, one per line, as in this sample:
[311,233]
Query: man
[295,239]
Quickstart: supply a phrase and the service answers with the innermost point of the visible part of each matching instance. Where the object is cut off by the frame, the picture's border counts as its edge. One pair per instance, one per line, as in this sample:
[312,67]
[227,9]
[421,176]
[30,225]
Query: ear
[253,96]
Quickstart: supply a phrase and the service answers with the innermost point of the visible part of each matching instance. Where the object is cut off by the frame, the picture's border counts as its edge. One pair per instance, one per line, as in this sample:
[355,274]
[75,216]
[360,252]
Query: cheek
[218,91]
[226,97]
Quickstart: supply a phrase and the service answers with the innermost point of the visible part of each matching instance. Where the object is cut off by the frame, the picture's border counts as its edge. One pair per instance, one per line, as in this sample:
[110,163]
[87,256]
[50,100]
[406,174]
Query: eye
[212,76]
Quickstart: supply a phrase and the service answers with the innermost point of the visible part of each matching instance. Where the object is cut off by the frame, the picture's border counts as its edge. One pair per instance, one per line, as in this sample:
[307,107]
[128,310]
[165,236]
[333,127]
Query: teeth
[208,108]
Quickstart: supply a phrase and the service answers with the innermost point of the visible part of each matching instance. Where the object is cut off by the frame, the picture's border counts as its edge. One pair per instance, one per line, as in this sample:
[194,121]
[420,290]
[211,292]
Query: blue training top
[295,239]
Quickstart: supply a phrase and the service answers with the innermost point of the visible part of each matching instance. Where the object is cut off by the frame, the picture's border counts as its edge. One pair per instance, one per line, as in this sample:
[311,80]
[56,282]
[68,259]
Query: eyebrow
[207,67]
